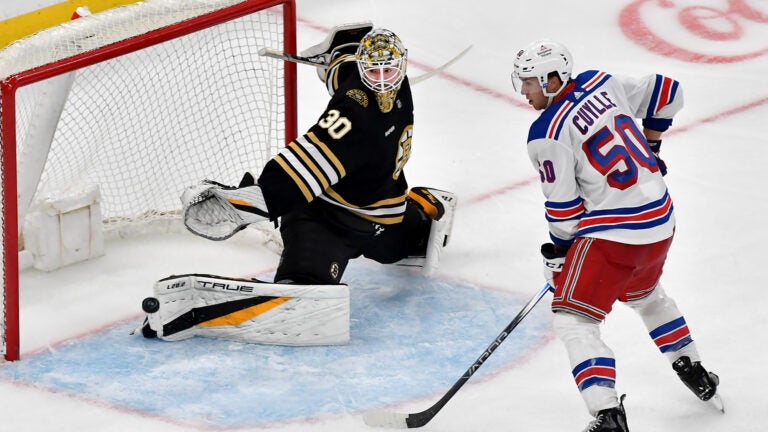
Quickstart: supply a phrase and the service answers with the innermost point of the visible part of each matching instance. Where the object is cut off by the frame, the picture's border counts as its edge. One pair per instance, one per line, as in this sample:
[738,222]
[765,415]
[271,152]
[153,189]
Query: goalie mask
[382,60]
[540,59]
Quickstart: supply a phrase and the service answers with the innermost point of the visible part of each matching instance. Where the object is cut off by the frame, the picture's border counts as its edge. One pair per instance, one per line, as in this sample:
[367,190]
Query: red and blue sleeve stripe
[664,91]
[563,211]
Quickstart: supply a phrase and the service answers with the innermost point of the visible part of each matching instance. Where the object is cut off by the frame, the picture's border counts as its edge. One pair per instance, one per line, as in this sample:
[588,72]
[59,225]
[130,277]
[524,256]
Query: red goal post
[161,94]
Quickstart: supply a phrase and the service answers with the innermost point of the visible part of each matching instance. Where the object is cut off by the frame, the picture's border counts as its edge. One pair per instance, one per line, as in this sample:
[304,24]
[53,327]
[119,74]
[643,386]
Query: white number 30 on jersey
[336,125]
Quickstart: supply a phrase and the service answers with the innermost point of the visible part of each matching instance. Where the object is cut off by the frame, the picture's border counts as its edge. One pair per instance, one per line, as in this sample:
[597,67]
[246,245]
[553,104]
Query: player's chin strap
[217,212]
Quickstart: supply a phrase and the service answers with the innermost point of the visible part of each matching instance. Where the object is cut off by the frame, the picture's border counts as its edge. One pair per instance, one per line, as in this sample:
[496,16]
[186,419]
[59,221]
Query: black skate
[610,420]
[702,383]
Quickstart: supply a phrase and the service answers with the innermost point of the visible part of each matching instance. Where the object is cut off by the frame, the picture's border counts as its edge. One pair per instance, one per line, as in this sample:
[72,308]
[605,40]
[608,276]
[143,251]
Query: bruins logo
[334,270]
[358,96]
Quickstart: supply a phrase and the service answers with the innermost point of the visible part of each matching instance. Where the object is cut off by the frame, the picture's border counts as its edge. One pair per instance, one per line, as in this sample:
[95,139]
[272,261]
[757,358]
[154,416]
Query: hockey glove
[247,180]
[217,212]
[342,39]
[554,259]
[656,148]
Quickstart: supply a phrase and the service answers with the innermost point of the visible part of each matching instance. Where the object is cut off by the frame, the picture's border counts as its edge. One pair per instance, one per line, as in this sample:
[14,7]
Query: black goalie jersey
[353,157]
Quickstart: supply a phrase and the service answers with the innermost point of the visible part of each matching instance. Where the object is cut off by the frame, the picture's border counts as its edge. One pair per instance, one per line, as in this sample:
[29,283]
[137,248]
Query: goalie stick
[312,61]
[382,418]
[319,61]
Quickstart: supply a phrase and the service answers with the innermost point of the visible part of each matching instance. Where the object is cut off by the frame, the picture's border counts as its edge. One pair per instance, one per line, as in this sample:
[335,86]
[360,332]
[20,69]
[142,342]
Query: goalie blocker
[342,39]
[247,310]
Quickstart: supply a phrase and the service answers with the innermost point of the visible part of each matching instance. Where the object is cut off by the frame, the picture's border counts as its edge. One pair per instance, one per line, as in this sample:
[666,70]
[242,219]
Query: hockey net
[138,102]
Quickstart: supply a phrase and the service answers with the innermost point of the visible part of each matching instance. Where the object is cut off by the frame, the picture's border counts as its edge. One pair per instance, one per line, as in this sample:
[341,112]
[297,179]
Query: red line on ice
[518,103]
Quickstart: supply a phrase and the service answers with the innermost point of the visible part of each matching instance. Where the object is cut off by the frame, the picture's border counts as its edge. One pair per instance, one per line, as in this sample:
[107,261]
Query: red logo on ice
[731,31]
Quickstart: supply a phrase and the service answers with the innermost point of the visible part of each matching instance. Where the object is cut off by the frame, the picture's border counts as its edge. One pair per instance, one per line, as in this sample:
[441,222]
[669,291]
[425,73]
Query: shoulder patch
[358,96]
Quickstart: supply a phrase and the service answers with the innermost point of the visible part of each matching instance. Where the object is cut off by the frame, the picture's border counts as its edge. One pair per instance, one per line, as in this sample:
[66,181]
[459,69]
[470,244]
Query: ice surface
[469,138]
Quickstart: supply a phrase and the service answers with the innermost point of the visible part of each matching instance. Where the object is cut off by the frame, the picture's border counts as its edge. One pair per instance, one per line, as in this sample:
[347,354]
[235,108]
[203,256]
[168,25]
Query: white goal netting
[141,120]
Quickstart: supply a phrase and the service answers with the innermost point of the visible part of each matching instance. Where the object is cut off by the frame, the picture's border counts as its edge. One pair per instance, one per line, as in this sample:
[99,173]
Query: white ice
[469,138]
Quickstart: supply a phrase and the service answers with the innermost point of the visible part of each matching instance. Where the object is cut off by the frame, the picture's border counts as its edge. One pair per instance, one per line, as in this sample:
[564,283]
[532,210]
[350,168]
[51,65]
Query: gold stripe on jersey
[310,163]
[319,157]
[380,220]
[388,202]
[296,177]
[333,69]
[387,211]
[326,167]
[328,154]
[313,168]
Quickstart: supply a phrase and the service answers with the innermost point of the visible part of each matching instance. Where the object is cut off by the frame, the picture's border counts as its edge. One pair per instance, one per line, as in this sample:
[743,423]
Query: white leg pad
[439,235]
[439,232]
[250,311]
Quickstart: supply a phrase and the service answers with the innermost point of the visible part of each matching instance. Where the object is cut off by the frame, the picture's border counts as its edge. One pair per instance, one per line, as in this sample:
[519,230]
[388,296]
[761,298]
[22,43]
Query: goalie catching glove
[216,211]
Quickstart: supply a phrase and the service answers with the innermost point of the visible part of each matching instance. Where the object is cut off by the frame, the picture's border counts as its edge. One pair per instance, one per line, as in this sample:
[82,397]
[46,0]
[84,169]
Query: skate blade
[717,403]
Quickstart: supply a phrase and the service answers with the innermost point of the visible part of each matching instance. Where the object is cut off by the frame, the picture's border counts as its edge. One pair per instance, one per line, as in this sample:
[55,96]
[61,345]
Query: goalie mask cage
[154,96]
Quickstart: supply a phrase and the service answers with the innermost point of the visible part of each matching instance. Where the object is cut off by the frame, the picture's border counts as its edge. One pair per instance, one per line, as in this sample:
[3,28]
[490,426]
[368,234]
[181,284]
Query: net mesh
[144,125]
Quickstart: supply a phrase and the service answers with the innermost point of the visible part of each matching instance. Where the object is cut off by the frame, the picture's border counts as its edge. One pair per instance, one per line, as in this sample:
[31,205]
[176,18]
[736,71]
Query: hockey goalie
[339,192]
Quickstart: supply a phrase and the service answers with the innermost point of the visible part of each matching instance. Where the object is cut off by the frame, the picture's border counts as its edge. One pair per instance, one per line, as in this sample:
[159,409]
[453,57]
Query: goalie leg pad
[440,206]
[246,310]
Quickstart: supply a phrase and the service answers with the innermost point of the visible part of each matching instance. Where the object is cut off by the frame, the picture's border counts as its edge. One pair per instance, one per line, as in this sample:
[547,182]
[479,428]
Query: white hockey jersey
[598,174]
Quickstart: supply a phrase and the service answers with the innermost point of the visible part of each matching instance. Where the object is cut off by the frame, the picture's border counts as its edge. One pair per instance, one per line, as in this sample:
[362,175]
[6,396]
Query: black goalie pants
[320,239]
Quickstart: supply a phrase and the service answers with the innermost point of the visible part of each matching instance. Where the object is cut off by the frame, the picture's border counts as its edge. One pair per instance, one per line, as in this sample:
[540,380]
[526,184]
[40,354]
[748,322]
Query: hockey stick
[440,69]
[319,61]
[312,61]
[381,418]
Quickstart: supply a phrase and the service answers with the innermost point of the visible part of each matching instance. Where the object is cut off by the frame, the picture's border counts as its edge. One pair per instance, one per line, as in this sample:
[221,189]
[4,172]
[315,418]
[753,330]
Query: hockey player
[610,216]
[340,189]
